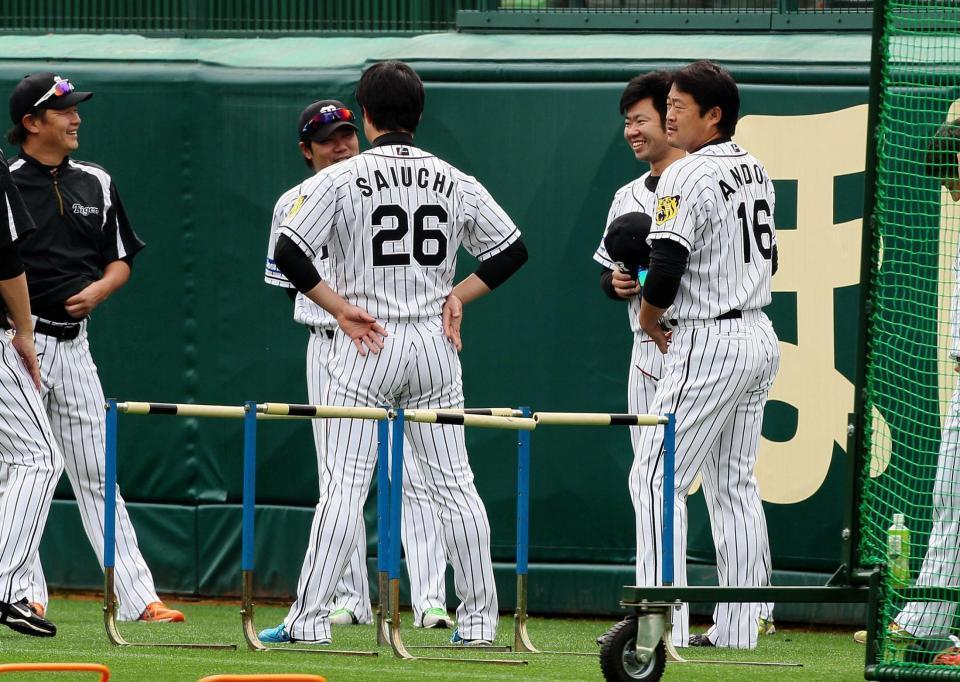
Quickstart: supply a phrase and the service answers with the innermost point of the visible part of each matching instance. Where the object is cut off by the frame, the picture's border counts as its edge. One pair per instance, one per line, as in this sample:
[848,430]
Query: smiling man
[80,254]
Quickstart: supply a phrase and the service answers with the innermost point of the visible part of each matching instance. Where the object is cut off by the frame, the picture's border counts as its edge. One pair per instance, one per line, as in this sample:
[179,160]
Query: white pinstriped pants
[74,403]
[716,379]
[30,464]
[417,368]
[941,564]
[422,542]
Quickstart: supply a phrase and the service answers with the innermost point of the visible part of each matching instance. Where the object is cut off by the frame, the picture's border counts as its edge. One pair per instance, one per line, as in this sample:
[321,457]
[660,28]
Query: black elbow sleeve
[668,262]
[10,264]
[295,265]
[775,260]
[498,269]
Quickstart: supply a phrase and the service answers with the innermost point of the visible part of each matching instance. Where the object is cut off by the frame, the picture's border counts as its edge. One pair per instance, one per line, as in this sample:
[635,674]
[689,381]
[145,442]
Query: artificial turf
[824,655]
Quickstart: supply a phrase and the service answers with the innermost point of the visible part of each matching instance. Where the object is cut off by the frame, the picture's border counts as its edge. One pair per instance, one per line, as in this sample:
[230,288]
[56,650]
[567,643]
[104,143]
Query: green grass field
[824,655]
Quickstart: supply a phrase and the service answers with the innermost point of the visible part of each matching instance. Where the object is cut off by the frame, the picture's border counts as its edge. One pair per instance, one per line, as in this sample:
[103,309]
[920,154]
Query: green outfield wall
[200,137]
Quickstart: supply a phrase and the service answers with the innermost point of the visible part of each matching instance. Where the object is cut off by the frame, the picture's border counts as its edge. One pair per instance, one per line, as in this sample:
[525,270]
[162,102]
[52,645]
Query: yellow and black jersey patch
[667,208]
[297,205]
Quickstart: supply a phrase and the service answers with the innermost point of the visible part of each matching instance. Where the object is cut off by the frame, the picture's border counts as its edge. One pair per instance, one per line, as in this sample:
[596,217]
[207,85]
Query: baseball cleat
[457,640]
[949,656]
[894,631]
[343,617]
[700,640]
[436,618]
[765,626]
[277,635]
[19,617]
[157,612]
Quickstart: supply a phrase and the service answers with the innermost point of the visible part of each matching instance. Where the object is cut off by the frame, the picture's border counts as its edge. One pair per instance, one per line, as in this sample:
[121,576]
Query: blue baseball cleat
[457,640]
[277,635]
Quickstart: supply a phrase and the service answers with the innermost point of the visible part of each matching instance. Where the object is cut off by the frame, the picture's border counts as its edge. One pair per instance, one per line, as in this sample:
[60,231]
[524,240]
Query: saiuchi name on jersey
[405,176]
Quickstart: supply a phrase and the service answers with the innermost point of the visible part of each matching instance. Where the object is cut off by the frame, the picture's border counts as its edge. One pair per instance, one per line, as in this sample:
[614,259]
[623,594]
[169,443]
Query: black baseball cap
[41,86]
[626,239]
[319,120]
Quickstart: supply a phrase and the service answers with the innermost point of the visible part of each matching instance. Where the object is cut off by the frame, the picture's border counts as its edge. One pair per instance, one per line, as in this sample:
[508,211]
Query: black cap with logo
[43,91]
[319,120]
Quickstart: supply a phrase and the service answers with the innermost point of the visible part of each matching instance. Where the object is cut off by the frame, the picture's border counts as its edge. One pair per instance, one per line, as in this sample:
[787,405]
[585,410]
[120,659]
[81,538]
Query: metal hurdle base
[522,643]
[254,643]
[400,650]
[113,632]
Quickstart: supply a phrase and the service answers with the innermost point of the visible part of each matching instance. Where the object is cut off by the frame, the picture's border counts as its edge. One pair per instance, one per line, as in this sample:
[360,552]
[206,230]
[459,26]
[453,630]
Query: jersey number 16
[761,228]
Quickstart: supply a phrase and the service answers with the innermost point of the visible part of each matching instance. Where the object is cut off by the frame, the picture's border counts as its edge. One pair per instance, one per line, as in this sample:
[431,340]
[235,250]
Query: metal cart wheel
[621,660]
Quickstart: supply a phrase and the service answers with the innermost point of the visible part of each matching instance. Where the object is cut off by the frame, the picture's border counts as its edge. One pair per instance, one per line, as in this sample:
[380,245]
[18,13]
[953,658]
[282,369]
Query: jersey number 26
[422,233]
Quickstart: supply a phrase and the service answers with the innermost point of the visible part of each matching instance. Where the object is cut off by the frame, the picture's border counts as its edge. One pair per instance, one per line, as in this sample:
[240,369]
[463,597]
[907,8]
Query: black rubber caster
[618,655]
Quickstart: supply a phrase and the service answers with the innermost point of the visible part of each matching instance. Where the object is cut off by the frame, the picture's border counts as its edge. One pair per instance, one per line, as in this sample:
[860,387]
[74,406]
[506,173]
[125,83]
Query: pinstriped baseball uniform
[646,361]
[30,461]
[81,227]
[422,541]
[718,203]
[393,218]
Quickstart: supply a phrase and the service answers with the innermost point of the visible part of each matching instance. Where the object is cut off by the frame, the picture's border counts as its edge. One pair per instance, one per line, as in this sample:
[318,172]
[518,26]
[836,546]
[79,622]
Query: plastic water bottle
[898,552]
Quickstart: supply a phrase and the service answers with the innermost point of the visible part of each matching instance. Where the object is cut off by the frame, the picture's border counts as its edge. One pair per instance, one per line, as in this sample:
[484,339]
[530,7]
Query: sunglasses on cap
[325,117]
[61,86]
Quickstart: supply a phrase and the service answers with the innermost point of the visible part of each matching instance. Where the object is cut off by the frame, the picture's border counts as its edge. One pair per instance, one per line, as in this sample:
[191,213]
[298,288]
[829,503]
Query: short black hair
[654,85]
[391,93]
[942,151]
[17,134]
[711,86]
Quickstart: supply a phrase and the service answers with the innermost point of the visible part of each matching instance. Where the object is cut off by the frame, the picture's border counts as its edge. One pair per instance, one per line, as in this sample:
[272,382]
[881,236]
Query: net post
[669,458]
[249,483]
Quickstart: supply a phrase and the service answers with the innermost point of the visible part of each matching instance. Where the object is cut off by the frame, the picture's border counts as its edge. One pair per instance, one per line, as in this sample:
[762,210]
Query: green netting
[914,442]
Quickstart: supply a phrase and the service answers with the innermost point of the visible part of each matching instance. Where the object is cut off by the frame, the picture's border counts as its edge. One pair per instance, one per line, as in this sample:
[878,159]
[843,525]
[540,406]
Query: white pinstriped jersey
[718,203]
[393,218]
[639,195]
[305,311]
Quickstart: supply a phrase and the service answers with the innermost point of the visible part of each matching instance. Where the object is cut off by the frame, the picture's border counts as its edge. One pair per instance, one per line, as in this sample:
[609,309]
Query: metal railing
[201,18]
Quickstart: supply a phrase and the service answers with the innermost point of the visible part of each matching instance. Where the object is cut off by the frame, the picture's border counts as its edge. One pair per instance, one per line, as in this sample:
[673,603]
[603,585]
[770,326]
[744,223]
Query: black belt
[729,315]
[61,332]
[322,330]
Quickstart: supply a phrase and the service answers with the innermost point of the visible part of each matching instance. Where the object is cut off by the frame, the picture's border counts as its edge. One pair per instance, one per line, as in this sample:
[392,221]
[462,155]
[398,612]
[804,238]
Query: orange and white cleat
[157,612]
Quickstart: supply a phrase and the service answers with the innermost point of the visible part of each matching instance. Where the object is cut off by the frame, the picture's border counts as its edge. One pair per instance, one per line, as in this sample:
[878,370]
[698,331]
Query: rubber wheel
[618,656]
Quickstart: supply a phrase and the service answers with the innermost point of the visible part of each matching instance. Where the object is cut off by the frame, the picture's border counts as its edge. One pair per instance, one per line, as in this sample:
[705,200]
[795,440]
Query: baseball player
[712,256]
[940,564]
[30,462]
[77,257]
[393,219]
[328,135]
[643,105]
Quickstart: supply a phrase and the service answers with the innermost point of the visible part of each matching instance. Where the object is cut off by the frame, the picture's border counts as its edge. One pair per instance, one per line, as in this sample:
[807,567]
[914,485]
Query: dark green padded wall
[201,147]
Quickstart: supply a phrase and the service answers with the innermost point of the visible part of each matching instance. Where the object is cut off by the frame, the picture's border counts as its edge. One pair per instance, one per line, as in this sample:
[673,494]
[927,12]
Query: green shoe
[436,618]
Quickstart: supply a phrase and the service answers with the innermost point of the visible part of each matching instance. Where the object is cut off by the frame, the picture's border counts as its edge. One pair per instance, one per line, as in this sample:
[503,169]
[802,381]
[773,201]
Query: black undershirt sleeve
[497,269]
[606,284]
[10,264]
[668,261]
[295,265]
[774,259]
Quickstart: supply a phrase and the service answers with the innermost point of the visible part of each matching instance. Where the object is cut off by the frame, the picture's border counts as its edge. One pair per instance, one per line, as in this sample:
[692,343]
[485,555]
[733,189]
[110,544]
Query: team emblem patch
[667,208]
[297,205]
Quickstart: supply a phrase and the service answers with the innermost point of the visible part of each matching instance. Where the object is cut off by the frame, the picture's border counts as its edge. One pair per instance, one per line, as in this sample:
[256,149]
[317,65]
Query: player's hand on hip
[363,328]
[452,317]
[659,336]
[624,285]
[84,301]
[23,344]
